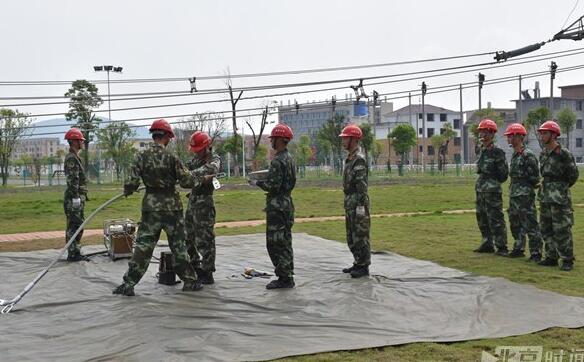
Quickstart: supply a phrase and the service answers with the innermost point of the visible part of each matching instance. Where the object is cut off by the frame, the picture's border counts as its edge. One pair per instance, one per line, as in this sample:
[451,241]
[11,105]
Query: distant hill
[58,127]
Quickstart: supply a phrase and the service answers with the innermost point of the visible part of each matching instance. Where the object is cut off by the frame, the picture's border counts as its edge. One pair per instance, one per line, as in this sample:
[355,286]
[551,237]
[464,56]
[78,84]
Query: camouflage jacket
[280,182]
[160,170]
[355,184]
[201,168]
[492,169]
[524,173]
[76,179]
[559,172]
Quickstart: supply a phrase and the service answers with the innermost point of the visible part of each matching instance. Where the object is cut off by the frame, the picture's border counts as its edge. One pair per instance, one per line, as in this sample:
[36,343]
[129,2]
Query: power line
[249,75]
[332,81]
[494,66]
[319,105]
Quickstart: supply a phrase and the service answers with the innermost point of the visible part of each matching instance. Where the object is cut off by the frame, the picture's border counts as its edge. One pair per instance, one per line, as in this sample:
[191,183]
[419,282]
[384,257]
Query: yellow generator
[119,236]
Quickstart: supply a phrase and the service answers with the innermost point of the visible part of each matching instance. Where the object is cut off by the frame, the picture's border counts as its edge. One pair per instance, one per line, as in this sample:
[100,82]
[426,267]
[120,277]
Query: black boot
[535,257]
[485,248]
[206,277]
[76,257]
[548,262]
[192,286]
[349,269]
[281,283]
[502,252]
[567,265]
[516,253]
[360,271]
[124,289]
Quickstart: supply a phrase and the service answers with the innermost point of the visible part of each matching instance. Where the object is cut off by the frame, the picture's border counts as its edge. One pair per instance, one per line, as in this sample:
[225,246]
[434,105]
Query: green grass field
[447,239]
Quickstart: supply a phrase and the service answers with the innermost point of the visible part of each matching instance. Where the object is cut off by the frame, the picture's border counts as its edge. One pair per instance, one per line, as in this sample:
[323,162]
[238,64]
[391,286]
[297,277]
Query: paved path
[229,224]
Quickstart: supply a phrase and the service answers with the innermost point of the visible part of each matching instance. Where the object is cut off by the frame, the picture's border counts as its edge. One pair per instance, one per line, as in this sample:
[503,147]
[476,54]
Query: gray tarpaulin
[72,315]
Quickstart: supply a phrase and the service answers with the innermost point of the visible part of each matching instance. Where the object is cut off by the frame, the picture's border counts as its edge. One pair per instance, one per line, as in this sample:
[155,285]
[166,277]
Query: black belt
[160,189]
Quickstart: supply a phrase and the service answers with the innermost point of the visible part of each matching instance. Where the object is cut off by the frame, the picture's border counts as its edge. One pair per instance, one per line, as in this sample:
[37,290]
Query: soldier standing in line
[493,171]
[280,208]
[160,170]
[200,214]
[524,175]
[356,203]
[559,172]
[75,193]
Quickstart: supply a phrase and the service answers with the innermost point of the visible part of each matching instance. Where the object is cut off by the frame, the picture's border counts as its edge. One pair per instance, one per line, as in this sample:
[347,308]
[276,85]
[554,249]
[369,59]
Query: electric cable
[311,106]
[249,75]
[493,65]
[297,92]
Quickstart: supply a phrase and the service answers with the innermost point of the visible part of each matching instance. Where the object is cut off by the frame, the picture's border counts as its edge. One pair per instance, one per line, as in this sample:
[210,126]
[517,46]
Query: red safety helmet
[488,125]
[282,130]
[551,126]
[515,128]
[162,125]
[352,130]
[74,134]
[199,141]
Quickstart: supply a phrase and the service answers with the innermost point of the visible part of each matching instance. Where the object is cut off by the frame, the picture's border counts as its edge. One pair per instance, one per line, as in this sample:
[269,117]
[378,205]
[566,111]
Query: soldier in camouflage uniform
[524,175]
[493,171]
[559,172]
[160,170]
[356,203]
[280,208]
[75,193]
[200,215]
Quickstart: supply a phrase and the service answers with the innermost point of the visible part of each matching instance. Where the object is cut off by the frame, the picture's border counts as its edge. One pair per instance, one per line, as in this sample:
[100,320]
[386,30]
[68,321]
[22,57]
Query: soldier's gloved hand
[83,192]
[252,182]
[207,178]
[76,203]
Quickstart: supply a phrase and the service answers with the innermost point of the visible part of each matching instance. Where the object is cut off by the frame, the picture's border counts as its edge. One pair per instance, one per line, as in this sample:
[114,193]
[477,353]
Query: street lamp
[108,69]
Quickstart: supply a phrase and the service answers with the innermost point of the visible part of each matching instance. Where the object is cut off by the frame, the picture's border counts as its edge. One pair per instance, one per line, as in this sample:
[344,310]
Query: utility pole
[463,142]
[243,148]
[424,89]
[520,120]
[481,81]
[375,97]
[333,106]
[553,68]
[417,127]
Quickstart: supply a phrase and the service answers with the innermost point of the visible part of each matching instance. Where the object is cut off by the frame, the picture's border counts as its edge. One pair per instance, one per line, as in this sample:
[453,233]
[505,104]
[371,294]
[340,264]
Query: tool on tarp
[249,273]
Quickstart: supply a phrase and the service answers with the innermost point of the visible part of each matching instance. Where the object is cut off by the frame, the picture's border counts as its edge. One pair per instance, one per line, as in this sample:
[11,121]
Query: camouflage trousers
[75,218]
[357,228]
[523,223]
[556,228]
[491,220]
[149,229]
[200,233]
[279,241]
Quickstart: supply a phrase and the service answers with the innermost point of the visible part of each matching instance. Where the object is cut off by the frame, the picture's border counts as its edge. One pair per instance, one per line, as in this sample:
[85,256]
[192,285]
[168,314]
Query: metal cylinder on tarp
[166,273]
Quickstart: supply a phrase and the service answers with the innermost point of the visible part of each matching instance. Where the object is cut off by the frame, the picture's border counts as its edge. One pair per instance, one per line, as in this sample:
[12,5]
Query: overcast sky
[63,40]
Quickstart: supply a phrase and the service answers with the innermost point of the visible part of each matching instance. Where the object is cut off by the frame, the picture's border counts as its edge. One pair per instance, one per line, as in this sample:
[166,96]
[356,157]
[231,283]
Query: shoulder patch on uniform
[359,167]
